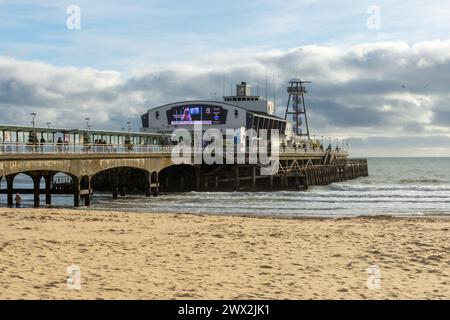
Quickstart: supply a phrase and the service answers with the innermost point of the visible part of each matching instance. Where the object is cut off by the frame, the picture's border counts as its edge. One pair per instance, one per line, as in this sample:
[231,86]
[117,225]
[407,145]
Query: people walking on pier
[41,144]
[18,200]
[59,144]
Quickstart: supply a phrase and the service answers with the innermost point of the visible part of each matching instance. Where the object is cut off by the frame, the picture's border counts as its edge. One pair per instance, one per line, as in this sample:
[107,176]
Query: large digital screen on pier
[196,114]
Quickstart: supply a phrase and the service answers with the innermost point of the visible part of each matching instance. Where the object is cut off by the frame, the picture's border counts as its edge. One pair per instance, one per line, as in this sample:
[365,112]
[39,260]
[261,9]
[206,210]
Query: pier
[148,168]
[122,162]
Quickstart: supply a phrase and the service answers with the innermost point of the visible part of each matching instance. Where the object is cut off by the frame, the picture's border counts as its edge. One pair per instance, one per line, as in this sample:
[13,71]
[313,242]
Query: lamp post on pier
[128,142]
[33,136]
[88,127]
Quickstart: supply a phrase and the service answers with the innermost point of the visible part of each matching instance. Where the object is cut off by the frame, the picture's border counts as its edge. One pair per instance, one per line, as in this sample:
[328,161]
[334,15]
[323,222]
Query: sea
[395,186]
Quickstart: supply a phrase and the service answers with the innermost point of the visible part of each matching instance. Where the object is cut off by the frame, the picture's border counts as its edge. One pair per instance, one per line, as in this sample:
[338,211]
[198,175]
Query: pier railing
[74,148]
[11,148]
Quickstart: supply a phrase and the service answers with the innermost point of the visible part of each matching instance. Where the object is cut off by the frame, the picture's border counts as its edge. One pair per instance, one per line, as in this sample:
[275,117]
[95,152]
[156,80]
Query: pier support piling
[76,192]
[36,189]
[155,183]
[148,184]
[48,188]
[9,186]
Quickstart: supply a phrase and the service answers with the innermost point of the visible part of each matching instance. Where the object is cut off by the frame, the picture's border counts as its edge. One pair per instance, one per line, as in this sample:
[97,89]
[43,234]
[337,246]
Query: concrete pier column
[217,181]
[87,200]
[271,180]
[48,188]
[156,183]
[148,184]
[9,186]
[237,176]
[87,197]
[254,177]
[36,189]
[76,191]
[182,183]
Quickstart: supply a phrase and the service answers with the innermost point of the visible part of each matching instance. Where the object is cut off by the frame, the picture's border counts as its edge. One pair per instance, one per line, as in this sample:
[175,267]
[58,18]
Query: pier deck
[151,170]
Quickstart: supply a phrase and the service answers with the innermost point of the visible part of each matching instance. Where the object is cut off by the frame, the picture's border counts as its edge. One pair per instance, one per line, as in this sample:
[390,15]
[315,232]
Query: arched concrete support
[80,165]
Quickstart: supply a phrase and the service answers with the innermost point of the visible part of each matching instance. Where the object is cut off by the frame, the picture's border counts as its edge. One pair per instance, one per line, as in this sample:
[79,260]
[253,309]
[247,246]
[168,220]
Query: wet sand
[166,256]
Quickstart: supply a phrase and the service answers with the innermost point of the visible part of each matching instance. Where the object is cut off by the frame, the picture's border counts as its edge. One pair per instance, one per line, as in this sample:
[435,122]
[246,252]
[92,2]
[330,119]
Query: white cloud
[384,89]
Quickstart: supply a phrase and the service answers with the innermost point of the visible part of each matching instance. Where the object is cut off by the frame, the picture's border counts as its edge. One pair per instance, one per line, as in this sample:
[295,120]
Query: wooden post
[254,177]
[217,181]
[237,176]
[306,178]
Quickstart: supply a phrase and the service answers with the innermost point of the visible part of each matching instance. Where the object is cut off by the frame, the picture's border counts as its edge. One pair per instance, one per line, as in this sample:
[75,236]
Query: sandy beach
[166,256]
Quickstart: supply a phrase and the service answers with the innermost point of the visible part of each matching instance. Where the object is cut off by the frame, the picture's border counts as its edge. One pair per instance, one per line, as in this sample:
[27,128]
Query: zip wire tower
[296,106]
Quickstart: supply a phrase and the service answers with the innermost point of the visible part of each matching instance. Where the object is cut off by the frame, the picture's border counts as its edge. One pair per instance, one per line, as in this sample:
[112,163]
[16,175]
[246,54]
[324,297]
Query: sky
[380,70]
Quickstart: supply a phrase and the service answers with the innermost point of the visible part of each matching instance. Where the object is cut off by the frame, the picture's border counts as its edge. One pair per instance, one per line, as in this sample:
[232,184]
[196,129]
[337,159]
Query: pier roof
[5,127]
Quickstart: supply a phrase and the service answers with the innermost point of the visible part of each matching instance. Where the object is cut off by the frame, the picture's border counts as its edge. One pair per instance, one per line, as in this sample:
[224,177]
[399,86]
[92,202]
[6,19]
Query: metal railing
[75,148]
[12,148]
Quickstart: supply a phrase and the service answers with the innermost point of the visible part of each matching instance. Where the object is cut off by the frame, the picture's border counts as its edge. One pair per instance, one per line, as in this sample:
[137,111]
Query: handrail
[12,148]
[77,148]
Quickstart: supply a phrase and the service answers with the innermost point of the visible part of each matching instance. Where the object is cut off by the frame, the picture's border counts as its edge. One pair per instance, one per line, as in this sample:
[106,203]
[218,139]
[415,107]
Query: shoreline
[444,216]
[129,255]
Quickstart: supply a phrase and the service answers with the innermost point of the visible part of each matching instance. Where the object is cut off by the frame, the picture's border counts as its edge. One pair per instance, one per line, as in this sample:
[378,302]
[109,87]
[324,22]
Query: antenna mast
[296,91]
[266,86]
[273,91]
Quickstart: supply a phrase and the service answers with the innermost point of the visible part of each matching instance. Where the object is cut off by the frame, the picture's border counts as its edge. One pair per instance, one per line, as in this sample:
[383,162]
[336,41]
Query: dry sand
[167,256]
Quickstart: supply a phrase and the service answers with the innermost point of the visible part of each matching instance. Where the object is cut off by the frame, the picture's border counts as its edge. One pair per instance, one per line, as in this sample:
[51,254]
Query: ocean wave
[422,181]
[362,188]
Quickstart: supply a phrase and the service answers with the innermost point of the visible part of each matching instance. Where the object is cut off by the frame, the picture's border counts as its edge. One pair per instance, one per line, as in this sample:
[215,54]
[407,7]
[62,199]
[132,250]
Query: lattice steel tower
[296,106]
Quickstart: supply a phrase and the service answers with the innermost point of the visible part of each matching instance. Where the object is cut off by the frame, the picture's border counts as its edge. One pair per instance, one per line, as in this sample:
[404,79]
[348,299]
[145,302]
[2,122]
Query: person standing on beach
[18,200]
